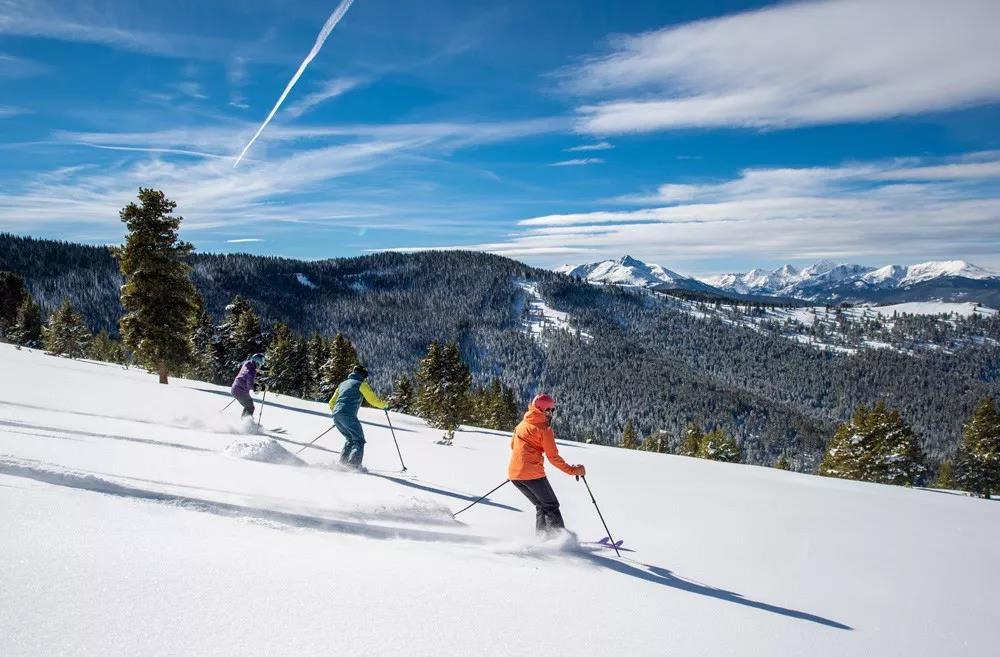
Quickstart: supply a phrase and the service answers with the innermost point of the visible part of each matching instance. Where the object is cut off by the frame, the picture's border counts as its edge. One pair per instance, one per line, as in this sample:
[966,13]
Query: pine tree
[691,444]
[301,380]
[509,414]
[343,357]
[402,395]
[318,353]
[104,348]
[429,379]
[875,445]
[629,439]
[456,383]
[282,375]
[12,295]
[203,364]
[27,328]
[782,463]
[977,467]
[655,442]
[231,341]
[945,475]
[66,333]
[158,296]
[717,445]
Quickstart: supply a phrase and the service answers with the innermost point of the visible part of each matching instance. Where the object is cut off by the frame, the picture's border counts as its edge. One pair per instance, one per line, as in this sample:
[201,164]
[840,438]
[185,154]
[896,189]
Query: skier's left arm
[371,397]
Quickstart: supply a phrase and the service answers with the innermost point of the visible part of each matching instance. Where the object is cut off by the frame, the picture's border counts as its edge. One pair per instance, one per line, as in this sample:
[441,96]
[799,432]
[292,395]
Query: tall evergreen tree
[66,333]
[318,354]
[402,395]
[203,364]
[158,296]
[27,328]
[343,357]
[231,339]
[629,439]
[282,374]
[455,388]
[301,380]
[104,348]
[655,442]
[945,475]
[977,467]
[429,378]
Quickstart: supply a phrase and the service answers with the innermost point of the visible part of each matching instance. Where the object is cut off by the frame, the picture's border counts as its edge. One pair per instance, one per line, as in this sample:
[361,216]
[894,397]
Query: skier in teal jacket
[344,404]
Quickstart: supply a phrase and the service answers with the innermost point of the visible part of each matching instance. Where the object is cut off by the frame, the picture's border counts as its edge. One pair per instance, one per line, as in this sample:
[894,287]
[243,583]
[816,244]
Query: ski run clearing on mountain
[537,316]
[134,527]
[837,323]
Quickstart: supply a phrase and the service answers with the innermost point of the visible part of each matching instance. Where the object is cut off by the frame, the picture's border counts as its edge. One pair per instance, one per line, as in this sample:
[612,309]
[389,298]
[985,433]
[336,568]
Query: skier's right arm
[552,452]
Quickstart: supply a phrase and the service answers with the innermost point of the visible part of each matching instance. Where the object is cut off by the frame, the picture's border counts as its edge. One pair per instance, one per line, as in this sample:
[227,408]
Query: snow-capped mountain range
[825,281]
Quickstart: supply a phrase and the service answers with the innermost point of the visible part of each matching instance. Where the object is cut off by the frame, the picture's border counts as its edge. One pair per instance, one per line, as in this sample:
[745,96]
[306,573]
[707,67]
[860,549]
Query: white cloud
[599,146]
[903,209]
[801,63]
[245,240]
[13,67]
[578,162]
[331,89]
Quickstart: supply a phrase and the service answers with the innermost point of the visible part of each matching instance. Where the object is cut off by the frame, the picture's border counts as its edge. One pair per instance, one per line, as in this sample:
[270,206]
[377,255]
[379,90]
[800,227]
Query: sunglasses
[550,410]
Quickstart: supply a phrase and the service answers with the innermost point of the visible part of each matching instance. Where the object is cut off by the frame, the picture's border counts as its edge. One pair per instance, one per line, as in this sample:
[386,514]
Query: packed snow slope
[137,522]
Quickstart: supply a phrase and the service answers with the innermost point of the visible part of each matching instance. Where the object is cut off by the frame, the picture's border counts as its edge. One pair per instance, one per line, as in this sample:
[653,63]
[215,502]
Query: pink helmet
[543,402]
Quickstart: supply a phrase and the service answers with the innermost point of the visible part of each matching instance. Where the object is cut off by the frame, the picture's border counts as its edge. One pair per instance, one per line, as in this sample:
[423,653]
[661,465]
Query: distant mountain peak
[632,272]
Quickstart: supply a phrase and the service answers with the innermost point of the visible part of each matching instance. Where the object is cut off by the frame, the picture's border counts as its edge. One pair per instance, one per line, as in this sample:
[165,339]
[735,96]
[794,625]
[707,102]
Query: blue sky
[708,137]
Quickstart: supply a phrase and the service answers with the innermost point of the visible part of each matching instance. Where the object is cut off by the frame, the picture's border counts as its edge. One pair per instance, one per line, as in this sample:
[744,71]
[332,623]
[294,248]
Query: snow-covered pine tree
[157,296]
[402,395]
[343,357]
[456,382]
[655,442]
[281,374]
[876,445]
[429,379]
[230,340]
[66,334]
[203,365]
[977,466]
[302,376]
[717,445]
[691,443]
[318,353]
[27,328]
[629,439]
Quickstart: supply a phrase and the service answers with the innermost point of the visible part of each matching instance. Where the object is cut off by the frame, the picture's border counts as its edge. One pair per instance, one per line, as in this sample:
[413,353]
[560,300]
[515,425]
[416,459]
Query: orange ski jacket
[533,437]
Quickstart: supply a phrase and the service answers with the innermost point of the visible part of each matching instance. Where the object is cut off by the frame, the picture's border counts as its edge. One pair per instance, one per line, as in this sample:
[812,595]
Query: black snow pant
[246,401]
[539,492]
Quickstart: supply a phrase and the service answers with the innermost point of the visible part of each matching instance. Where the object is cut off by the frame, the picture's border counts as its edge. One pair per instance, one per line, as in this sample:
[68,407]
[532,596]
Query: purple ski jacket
[243,383]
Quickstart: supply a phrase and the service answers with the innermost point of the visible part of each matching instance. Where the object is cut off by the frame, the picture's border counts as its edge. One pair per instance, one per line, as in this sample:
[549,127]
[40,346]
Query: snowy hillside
[134,527]
[904,327]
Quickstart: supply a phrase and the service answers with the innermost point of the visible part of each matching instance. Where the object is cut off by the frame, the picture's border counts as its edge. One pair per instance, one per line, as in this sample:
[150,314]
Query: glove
[263,387]
[579,471]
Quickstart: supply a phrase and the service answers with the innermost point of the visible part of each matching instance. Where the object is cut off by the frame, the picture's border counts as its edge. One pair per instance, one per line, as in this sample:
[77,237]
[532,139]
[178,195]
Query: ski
[278,430]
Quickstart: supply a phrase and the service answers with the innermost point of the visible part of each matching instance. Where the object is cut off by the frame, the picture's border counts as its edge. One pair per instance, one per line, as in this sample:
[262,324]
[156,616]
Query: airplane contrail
[331,23]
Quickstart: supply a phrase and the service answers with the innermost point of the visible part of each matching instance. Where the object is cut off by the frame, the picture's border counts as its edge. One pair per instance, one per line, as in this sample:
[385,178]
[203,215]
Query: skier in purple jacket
[244,382]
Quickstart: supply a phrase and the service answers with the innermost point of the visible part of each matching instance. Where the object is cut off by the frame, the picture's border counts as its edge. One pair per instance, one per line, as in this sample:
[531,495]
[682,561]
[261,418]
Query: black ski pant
[246,401]
[539,492]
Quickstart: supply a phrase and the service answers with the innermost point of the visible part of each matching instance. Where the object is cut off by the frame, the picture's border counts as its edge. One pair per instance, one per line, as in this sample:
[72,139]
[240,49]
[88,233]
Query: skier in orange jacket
[532,438]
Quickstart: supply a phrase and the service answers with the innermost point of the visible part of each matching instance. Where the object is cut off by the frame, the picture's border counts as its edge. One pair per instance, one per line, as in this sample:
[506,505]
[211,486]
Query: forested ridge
[629,356]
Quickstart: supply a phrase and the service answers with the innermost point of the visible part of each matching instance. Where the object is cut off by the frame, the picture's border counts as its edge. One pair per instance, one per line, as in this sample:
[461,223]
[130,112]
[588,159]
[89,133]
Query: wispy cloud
[6,111]
[907,209]
[599,146]
[245,240]
[330,89]
[82,22]
[331,23]
[578,162]
[821,62]
[13,67]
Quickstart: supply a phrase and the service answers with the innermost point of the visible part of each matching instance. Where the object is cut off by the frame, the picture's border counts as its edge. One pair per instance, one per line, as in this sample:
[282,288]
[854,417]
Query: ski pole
[309,444]
[600,515]
[481,498]
[228,405]
[261,414]
[394,440]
